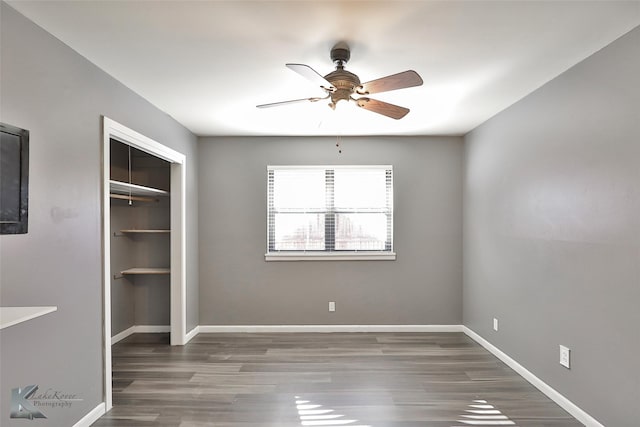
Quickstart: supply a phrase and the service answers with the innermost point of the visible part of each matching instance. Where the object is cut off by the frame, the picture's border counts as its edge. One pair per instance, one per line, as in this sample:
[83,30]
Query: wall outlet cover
[332,306]
[495,324]
[565,357]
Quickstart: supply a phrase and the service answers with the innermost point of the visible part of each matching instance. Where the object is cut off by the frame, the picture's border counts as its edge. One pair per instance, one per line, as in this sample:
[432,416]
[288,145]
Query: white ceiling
[209,63]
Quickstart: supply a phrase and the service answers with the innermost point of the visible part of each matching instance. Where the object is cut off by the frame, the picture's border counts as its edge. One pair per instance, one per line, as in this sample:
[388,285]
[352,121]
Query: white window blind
[330,209]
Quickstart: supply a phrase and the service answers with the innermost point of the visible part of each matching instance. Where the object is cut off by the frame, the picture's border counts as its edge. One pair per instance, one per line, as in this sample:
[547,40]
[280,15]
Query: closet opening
[143,240]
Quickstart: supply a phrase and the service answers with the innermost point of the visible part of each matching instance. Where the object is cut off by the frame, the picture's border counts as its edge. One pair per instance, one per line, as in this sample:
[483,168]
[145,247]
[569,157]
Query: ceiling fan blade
[293,101]
[384,108]
[395,81]
[310,74]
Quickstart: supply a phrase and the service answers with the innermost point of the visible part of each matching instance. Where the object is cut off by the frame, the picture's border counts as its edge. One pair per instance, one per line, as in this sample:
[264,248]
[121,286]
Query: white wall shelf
[124,188]
[134,231]
[145,270]
[10,316]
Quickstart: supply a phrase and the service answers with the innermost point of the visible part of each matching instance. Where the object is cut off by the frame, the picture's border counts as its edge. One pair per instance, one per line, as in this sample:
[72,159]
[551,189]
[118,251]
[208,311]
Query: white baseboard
[195,331]
[286,328]
[92,416]
[152,329]
[122,335]
[565,403]
[327,328]
[149,329]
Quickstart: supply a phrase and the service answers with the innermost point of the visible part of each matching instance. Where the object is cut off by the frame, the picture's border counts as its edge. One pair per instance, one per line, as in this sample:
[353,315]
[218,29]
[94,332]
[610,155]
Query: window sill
[352,256]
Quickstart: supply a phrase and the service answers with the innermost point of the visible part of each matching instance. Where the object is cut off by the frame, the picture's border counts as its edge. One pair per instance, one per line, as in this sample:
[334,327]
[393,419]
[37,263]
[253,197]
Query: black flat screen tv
[14,179]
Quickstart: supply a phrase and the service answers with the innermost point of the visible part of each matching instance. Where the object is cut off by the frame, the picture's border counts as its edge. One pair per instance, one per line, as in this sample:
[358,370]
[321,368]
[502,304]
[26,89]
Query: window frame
[329,254]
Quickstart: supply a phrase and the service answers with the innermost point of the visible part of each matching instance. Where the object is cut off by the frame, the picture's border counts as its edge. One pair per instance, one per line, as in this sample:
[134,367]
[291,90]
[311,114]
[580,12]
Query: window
[329,212]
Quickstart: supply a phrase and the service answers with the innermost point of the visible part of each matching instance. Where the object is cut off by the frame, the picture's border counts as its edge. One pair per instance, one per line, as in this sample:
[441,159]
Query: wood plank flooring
[314,379]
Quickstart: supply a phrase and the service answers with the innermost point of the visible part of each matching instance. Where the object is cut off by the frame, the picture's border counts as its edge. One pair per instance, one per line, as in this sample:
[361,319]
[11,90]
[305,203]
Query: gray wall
[60,97]
[424,284]
[552,231]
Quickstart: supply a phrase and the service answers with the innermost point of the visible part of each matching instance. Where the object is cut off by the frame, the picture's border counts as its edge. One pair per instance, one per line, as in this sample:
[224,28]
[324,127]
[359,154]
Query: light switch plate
[565,357]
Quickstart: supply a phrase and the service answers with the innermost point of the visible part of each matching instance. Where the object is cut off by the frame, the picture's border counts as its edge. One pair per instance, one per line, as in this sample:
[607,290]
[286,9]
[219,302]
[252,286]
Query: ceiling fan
[342,85]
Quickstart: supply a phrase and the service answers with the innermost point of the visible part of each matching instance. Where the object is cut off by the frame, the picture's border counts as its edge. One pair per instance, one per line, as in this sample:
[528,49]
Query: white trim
[112,129]
[141,142]
[565,403]
[195,331]
[108,127]
[122,335]
[327,328]
[139,329]
[92,416]
[178,253]
[330,256]
[10,316]
[152,329]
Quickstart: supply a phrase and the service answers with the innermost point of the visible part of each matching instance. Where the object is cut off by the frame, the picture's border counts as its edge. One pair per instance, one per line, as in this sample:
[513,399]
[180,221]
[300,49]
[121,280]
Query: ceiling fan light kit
[342,85]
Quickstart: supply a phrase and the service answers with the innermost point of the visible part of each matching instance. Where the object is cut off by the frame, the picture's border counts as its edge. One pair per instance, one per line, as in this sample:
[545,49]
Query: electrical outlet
[495,324]
[332,306]
[565,357]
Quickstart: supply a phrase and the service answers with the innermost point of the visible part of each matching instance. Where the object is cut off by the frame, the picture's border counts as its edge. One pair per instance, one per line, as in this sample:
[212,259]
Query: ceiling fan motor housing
[345,83]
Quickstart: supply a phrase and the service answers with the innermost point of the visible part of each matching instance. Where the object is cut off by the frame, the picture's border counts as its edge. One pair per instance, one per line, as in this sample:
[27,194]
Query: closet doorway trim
[121,133]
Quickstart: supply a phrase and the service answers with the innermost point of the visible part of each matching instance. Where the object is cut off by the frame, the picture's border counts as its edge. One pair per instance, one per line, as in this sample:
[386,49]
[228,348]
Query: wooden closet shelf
[126,189]
[141,270]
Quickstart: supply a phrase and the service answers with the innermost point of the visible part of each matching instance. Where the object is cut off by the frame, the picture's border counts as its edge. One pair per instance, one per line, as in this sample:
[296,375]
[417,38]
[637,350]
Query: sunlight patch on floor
[481,413]
[315,415]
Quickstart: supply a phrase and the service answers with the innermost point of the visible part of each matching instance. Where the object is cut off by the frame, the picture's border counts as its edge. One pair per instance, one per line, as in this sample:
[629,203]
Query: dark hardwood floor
[314,379]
